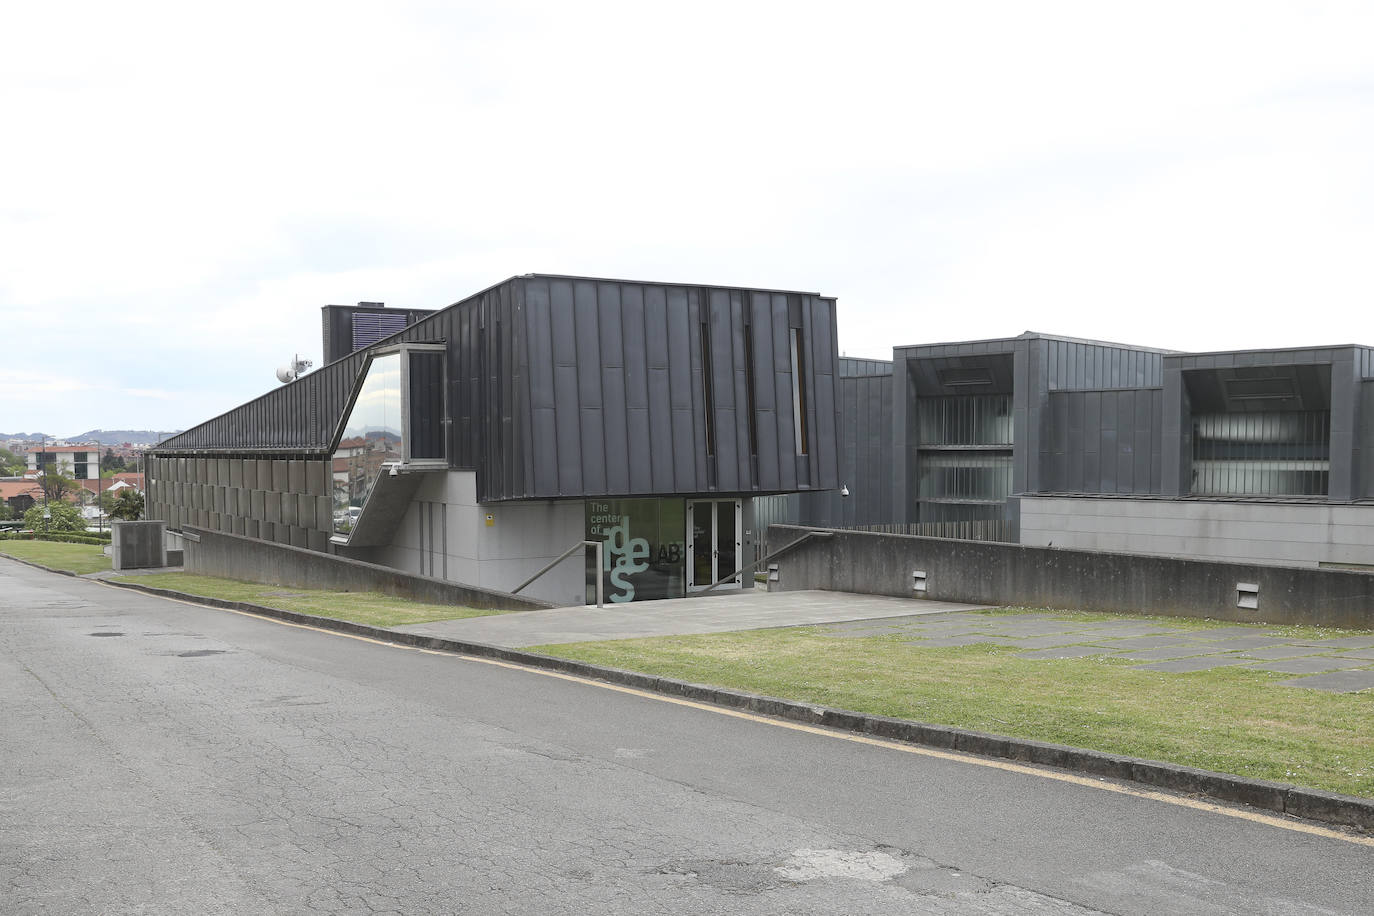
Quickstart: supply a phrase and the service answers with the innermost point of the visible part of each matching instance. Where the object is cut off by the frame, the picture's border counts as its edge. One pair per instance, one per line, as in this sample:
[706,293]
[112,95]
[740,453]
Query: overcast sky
[181,190]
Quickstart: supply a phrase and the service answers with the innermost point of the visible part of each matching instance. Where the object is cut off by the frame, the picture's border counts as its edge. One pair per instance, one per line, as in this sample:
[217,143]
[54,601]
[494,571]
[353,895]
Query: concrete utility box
[139,545]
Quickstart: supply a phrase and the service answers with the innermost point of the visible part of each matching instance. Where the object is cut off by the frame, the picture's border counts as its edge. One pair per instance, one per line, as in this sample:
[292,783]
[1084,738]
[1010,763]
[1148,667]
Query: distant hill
[120,436]
[103,436]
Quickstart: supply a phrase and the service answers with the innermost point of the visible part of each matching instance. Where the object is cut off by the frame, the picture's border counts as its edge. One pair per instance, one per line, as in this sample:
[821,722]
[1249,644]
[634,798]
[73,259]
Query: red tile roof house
[19,495]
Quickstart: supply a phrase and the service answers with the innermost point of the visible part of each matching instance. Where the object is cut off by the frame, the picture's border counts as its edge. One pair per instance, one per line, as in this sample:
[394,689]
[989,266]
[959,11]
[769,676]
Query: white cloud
[189,186]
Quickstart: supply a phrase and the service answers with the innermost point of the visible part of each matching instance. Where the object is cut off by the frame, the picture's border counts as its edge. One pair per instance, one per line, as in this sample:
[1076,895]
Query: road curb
[1282,798]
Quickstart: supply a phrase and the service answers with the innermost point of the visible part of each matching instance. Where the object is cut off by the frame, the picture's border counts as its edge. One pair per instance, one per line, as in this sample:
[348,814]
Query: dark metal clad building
[865,454]
[541,388]
[1257,455]
[562,386]
[988,419]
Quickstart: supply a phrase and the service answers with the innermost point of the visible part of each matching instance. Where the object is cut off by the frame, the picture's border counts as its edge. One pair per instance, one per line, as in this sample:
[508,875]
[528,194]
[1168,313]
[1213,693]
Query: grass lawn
[1227,719]
[77,558]
[1166,623]
[360,607]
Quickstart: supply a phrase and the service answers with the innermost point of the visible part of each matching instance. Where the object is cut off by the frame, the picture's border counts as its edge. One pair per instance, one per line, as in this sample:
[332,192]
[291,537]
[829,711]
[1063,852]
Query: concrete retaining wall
[982,572]
[1285,534]
[235,557]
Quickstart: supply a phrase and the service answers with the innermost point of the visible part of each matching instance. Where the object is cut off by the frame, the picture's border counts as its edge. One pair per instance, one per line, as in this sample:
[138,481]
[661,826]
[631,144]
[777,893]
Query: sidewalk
[717,613]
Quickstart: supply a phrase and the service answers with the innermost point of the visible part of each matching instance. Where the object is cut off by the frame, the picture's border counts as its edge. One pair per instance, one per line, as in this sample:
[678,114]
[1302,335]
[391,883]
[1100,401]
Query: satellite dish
[291,371]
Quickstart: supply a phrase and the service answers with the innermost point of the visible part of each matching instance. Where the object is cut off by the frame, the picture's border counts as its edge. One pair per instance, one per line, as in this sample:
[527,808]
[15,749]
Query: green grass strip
[74,558]
[1230,720]
[371,608]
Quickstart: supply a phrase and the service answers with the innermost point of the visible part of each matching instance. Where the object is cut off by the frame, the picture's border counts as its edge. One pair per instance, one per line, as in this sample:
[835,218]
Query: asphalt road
[158,757]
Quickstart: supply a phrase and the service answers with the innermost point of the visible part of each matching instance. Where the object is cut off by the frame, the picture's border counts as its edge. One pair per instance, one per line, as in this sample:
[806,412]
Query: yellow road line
[1089,782]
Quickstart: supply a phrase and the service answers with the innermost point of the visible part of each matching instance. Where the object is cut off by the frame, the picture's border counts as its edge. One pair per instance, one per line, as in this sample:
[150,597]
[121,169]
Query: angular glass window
[396,425]
[372,438]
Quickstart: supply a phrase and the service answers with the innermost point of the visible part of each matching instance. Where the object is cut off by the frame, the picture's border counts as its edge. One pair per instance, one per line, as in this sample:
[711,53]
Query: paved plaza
[1340,665]
[721,612]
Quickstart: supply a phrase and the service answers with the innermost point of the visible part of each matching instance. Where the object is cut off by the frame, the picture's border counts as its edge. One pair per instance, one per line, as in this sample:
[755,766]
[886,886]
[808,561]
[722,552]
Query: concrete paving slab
[954,621]
[1125,630]
[1229,632]
[1281,652]
[748,610]
[1245,642]
[1335,682]
[1067,652]
[1154,655]
[947,641]
[1203,663]
[1345,642]
[1011,627]
[1357,653]
[1046,642]
[862,632]
[1311,665]
[1150,642]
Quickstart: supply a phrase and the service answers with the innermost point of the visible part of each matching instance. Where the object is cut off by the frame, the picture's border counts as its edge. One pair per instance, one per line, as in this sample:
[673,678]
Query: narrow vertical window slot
[710,404]
[749,388]
[798,392]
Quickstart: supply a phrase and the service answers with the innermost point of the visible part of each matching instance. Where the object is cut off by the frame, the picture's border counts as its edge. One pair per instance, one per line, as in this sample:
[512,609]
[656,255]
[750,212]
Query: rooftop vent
[961,377]
[1261,389]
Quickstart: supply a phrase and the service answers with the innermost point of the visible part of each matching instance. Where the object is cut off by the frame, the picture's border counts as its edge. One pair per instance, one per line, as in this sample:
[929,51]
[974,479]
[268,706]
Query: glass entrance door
[713,542]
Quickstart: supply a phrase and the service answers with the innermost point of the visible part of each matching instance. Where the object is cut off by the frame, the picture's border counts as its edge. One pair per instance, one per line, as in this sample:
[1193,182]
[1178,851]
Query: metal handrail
[780,551]
[600,584]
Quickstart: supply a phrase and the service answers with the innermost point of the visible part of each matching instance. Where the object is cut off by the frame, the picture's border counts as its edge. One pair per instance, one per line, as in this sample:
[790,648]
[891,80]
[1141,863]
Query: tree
[65,517]
[111,462]
[11,465]
[57,483]
[129,506]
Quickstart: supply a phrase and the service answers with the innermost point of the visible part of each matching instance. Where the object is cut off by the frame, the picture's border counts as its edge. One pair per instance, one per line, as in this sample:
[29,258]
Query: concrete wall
[1291,534]
[1013,574]
[444,534]
[236,557]
[284,500]
[138,545]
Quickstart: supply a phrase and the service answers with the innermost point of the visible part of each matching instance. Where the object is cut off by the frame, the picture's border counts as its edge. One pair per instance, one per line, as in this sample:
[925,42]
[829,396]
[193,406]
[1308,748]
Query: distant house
[21,494]
[115,484]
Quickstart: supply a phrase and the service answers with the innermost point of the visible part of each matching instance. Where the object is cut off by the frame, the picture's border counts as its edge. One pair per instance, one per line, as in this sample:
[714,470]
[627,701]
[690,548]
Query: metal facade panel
[587,331]
[851,366]
[1077,365]
[726,363]
[746,449]
[1364,457]
[570,387]
[1105,441]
